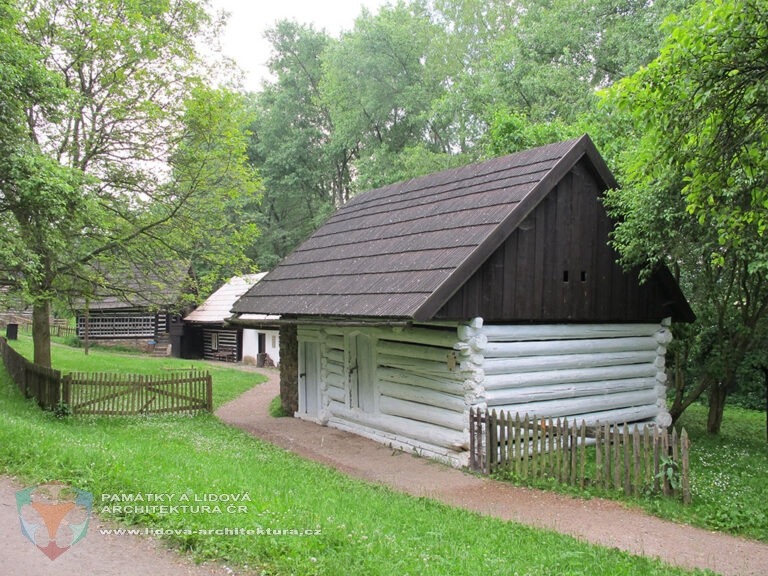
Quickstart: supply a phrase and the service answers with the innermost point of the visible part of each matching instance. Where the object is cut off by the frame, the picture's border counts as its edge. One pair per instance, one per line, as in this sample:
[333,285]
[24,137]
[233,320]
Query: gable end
[557,266]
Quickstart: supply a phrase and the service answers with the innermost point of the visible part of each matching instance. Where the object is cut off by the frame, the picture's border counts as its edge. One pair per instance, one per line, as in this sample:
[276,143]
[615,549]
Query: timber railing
[55,329]
[43,384]
[612,457]
[109,394]
[127,395]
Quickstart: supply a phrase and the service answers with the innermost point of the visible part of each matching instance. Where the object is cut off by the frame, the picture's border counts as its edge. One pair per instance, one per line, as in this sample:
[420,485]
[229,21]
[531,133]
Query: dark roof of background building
[131,287]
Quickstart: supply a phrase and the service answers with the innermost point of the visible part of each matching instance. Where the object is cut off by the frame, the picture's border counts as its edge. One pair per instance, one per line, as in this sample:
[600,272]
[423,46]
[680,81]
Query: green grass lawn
[361,528]
[729,475]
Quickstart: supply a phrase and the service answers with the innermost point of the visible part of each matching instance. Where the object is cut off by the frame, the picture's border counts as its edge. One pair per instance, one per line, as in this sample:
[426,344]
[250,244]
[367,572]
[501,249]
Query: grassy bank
[346,526]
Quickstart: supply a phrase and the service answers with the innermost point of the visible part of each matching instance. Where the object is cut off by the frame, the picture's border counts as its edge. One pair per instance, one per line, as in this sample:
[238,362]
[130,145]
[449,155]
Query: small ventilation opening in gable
[583,275]
[565,275]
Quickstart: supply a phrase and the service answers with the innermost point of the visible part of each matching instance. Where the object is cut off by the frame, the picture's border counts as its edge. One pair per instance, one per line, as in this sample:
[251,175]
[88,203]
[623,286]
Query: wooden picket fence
[619,457]
[109,394]
[43,384]
[127,395]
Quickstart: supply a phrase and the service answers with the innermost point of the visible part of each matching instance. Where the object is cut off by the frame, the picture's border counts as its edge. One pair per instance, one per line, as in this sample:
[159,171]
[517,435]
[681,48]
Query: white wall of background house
[256,342]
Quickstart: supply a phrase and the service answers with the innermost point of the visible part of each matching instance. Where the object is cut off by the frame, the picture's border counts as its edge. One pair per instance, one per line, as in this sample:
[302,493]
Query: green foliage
[62,410]
[694,186]
[110,170]
[379,83]
[276,408]
[303,173]
[214,228]
[512,132]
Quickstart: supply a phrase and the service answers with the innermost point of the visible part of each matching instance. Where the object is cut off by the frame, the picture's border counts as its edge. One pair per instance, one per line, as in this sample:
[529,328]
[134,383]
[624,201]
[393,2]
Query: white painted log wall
[426,378]
[610,373]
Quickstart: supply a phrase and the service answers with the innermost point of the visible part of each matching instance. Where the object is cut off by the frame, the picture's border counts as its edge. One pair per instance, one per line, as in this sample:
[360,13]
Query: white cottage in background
[207,334]
[491,285]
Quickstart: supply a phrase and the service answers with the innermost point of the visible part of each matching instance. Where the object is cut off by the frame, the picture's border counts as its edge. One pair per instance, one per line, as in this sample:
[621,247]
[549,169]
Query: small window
[565,276]
[214,341]
[583,275]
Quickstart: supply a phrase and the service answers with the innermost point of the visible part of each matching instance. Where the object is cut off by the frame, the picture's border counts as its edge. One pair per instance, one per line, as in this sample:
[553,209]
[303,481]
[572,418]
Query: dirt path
[598,521]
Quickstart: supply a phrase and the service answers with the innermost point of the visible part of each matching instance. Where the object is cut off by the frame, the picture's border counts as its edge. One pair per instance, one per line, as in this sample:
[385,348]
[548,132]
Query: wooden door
[309,379]
[362,373]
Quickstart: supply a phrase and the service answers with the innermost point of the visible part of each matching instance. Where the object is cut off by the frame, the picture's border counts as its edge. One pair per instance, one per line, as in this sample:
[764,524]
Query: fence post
[627,446]
[209,392]
[685,481]
[636,484]
[65,390]
[524,446]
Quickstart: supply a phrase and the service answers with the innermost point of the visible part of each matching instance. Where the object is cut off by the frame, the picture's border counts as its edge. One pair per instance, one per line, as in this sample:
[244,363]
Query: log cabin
[491,286]
[133,305]
[207,334]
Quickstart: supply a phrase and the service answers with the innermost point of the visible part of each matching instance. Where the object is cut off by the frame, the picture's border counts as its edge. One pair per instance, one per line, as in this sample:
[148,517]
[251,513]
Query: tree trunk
[289,368]
[717,396]
[765,383]
[683,400]
[41,333]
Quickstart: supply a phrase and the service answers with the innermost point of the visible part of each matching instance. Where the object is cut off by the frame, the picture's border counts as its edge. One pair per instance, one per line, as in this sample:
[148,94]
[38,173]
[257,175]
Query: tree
[379,82]
[217,225]
[695,189]
[36,193]
[303,173]
[102,186]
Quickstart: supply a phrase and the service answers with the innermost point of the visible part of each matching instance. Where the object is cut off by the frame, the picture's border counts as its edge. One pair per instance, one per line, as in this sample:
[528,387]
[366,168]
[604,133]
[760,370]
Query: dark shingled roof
[403,250]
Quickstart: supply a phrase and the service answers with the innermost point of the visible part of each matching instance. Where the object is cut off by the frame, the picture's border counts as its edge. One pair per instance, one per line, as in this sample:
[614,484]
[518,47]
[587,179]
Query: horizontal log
[557,347]
[336,393]
[444,338]
[495,382]
[404,428]
[423,413]
[571,390]
[333,368]
[334,343]
[443,384]
[336,380]
[571,406]
[312,333]
[458,457]
[337,408]
[420,367]
[518,332]
[566,361]
[423,396]
[431,353]
[333,355]
[628,415]
[633,414]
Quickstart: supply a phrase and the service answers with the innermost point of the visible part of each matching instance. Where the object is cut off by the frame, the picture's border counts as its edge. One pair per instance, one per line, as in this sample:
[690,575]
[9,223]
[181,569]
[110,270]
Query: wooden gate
[125,395]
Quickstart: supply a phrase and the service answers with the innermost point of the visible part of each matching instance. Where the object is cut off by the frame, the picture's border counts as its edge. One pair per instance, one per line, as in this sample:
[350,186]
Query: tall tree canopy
[303,173]
[696,184]
[109,179]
